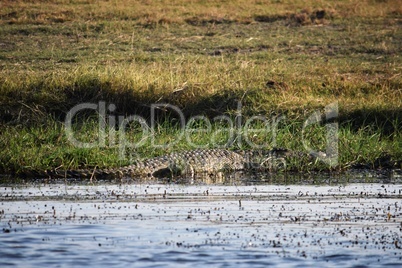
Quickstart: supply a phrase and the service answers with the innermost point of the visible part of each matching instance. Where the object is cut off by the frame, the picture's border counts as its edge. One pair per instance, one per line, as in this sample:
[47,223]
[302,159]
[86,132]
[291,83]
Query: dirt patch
[304,17]
[197,21]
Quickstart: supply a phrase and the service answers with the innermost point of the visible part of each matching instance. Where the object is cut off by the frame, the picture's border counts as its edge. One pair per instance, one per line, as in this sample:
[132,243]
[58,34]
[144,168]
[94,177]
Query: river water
[103,224]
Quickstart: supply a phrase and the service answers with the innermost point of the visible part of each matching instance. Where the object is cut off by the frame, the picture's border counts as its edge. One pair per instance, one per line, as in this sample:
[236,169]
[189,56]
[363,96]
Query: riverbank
[270,67]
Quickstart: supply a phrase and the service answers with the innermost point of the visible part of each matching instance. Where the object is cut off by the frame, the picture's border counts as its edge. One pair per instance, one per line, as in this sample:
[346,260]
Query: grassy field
[280,60]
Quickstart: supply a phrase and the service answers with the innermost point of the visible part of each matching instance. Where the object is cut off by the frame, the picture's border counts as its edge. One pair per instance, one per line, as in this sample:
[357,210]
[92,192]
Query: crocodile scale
[191,162]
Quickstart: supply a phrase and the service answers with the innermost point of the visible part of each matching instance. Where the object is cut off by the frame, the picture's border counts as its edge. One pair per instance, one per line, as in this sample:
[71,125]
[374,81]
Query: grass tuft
[276,59]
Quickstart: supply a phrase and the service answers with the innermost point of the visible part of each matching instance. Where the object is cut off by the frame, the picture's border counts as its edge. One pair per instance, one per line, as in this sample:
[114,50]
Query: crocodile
[190,163]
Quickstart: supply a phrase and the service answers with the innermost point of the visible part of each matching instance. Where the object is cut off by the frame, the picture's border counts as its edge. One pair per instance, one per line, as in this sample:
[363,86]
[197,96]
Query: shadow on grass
[40,102]
[387,121]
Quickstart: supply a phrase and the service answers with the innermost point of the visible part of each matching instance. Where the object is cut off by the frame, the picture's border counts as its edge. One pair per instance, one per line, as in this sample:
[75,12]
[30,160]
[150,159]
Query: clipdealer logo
[237,132]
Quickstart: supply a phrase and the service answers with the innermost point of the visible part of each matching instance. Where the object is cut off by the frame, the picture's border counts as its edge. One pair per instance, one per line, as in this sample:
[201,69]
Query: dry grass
[182,11]
[317,52]
[277,57]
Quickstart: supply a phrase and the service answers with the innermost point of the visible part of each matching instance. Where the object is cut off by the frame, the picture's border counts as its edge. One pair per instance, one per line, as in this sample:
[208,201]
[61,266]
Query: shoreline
[306,75]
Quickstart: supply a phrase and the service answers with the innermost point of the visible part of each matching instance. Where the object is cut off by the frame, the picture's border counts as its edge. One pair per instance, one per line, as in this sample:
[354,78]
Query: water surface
[152,225]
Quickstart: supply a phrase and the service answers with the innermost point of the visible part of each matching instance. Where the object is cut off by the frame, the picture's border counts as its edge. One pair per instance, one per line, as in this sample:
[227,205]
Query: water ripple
[356,225]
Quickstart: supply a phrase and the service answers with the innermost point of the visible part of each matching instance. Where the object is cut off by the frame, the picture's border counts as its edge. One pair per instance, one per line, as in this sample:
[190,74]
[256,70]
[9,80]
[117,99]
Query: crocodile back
[194,161]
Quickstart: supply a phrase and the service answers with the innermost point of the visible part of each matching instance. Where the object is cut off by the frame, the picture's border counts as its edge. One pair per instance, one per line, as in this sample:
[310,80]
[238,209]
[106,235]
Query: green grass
[27,149]
[276,57]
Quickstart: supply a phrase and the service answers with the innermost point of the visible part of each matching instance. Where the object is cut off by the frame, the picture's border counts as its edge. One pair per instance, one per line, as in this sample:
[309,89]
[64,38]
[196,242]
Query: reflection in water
[233,222]
[244,178]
